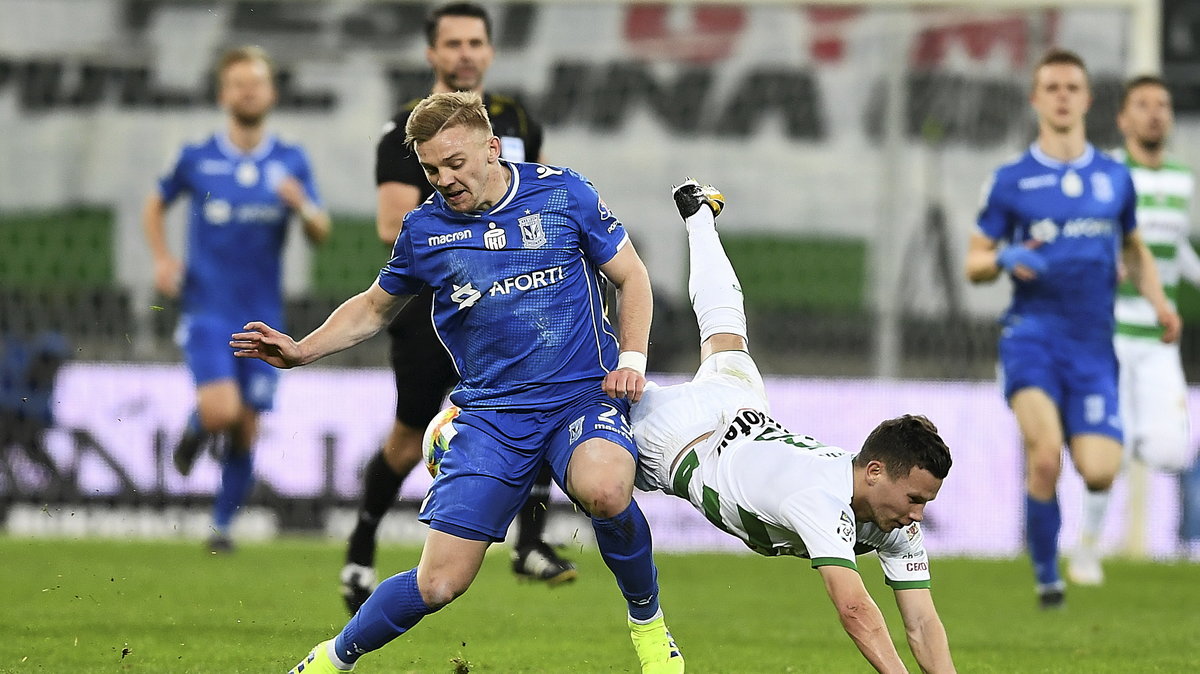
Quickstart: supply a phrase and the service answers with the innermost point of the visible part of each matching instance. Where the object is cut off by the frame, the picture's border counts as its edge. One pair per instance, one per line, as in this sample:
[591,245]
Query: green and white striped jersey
[1164,201]
[787,494]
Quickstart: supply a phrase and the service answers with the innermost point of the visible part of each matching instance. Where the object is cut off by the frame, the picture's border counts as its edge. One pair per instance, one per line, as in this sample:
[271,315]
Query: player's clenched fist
[625,383]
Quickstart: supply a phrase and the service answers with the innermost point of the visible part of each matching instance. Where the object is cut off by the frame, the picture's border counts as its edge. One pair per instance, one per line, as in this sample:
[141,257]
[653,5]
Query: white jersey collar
[512,188]
[1089,153]
[227,148]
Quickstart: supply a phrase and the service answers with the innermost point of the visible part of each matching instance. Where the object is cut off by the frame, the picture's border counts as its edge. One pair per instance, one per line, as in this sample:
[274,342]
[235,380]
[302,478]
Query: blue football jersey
[1079,213]
[517,294]
[237,224]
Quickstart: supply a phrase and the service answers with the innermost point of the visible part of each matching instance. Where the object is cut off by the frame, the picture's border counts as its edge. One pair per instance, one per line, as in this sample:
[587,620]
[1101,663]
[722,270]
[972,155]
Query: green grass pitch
[102,606]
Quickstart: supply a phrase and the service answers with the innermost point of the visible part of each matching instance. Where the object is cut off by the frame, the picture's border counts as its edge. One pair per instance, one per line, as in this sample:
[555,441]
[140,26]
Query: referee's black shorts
[424,372]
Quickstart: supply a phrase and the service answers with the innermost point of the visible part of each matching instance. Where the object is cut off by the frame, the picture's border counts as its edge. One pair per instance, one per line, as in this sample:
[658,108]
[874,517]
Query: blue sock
[625,544]
[1042,522]
[237,479]
[391,610]
[1189,504]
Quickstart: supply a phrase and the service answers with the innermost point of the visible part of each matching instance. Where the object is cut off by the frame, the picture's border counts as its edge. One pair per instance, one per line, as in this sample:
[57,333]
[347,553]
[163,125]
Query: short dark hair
[455,9]
[1137,82]
[1056,56]
[904,443]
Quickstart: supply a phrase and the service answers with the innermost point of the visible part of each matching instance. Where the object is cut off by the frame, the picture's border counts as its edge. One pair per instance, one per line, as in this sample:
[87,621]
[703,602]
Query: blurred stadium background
[852,140]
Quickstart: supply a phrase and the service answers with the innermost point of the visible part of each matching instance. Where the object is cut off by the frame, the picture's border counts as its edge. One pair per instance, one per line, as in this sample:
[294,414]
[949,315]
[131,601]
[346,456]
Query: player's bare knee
[1044,469]
[609,501]
[219,418]
[438,590]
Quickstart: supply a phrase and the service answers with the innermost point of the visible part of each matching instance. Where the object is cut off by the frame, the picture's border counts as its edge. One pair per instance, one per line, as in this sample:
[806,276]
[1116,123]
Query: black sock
[381,486]
[531,520]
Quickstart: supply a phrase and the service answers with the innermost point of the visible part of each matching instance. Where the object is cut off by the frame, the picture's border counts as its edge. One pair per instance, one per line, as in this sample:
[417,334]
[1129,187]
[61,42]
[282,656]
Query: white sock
[1095,506]
[657,614]
[713,285]
[333,657]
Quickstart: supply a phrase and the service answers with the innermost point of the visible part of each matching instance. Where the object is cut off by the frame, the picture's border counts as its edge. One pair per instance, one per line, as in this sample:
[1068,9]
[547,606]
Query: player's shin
[393,609]
[237,480]
[625,544]
[1042,523]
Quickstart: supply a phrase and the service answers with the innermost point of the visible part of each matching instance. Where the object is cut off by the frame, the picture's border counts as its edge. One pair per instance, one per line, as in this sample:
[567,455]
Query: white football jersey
[781,493]
[1163,216]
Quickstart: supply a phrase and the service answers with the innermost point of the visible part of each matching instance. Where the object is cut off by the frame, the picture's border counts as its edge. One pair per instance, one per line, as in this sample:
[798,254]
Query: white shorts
[1153,398]
[668,418]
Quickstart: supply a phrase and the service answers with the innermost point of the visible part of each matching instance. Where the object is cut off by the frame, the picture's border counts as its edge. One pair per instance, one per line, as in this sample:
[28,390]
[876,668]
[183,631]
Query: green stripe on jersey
[1143,331]
[683,473]
[755,529]
[1171,201]
[908,584]
[834,561]
[1163,251]
[1127,289]
[711,502]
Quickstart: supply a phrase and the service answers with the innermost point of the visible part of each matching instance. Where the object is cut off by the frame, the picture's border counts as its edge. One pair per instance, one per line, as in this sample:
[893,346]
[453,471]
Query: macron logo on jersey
[534,279]
[449,238]
[1037,182]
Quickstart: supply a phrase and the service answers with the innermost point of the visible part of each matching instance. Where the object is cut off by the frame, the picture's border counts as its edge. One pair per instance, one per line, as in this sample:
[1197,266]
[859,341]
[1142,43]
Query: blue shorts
[492,460]
[204,339]
[1080,378]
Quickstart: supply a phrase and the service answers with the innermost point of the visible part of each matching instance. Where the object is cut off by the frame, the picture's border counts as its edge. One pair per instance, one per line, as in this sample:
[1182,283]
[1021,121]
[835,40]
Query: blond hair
[243,54]
[444,111]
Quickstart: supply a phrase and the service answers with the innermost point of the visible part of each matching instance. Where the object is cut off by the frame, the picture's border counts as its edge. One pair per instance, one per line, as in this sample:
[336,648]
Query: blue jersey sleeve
[993,218]
[174,182]
[602,235]
[397,277]
[1128,215]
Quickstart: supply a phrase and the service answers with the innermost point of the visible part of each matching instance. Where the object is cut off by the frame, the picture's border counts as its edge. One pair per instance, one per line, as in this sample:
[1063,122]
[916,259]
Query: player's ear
[493,149]
[874,472]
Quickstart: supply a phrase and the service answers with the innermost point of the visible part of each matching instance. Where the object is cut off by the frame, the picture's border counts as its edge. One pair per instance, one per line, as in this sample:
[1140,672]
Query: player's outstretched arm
[635,307]
[354,321]
[926,634]
[1139,264]
[861,618]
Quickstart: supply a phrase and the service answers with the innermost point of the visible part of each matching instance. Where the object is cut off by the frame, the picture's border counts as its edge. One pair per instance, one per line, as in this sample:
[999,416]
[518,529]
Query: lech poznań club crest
[532,234]
[1102,187]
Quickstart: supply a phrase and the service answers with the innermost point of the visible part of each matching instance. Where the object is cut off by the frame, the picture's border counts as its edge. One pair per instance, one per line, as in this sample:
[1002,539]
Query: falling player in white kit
[712,442]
